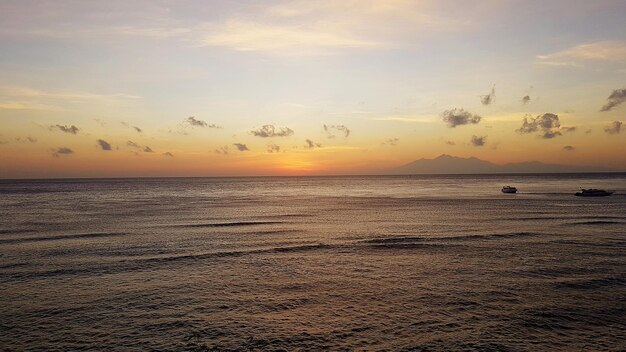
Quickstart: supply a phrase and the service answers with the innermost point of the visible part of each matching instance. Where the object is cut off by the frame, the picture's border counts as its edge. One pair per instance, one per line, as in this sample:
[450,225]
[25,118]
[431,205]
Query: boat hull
[581,194]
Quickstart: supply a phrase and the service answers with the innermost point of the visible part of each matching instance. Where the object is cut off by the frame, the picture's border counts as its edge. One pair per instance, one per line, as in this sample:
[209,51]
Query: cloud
[614,128]
[133,144]
[547,123]
[145,149]
[62,151]
[222,150]
[489,98]
[477,141]
[617,97]
[391,142]
[139,130]
[104,144]
[168,154]
[273,148]
[450,143]
[525,99]
[569,148]
[28,139]
[607,51]
[271,131]
[194,122]
[24,98]
[63,128]
[285,40]
[310,144]
[241,147]
[457,117]
[569,129]
[332,129]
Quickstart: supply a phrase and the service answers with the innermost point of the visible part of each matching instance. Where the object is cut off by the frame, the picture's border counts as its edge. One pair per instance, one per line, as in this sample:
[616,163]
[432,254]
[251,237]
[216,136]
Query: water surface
[392,263]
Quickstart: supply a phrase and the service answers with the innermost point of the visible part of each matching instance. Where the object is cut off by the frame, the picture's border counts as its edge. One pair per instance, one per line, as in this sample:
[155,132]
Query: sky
[223,88]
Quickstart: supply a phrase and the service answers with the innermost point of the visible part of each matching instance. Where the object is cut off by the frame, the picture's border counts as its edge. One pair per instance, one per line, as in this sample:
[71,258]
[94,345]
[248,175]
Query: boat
[593,193]
[509,189]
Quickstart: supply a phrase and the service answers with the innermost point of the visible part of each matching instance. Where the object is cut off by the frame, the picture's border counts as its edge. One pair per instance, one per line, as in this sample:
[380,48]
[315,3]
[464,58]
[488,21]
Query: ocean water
[398,263]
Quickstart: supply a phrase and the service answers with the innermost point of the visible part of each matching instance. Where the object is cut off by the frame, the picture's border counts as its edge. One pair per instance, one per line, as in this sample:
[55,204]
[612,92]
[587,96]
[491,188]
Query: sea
[345,263]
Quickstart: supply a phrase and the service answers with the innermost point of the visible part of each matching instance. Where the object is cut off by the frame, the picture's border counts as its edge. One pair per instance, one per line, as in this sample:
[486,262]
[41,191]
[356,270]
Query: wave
[230,224]
[60,237]
[489,236]
[147,263]
[15,231]
[598,222]
[591,284]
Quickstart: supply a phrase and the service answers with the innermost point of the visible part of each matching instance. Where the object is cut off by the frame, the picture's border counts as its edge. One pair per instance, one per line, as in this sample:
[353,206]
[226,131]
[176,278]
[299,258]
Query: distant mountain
[446,164]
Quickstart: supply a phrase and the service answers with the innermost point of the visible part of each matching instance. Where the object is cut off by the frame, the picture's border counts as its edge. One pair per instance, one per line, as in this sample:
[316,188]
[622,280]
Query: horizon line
[321,175]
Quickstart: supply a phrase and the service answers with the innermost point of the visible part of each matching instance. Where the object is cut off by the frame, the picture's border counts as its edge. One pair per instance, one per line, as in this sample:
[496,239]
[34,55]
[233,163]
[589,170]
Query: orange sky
[328,87]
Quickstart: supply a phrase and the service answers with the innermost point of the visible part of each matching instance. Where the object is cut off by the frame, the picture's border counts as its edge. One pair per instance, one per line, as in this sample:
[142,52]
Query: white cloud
[23,98]
[602,51]
[326,27]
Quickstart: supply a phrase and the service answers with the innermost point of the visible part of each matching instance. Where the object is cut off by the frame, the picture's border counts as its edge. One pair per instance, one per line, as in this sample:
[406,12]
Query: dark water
[340,263]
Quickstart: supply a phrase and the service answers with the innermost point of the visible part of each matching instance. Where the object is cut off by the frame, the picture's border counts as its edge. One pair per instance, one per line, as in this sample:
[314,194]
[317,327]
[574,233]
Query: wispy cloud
[391,142]
[28,139]
[616,98]
[569,148]
[104,145]
[221,150]
[608,51]
[168,155]
[272,131]
[459,117]
[281,39]
[137,129]
[569,129]
[23,98]
[144,148]
[325,27]
[614,128]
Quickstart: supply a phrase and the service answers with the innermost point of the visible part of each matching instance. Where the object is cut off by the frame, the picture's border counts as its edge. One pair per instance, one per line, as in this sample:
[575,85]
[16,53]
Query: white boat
[509,189]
